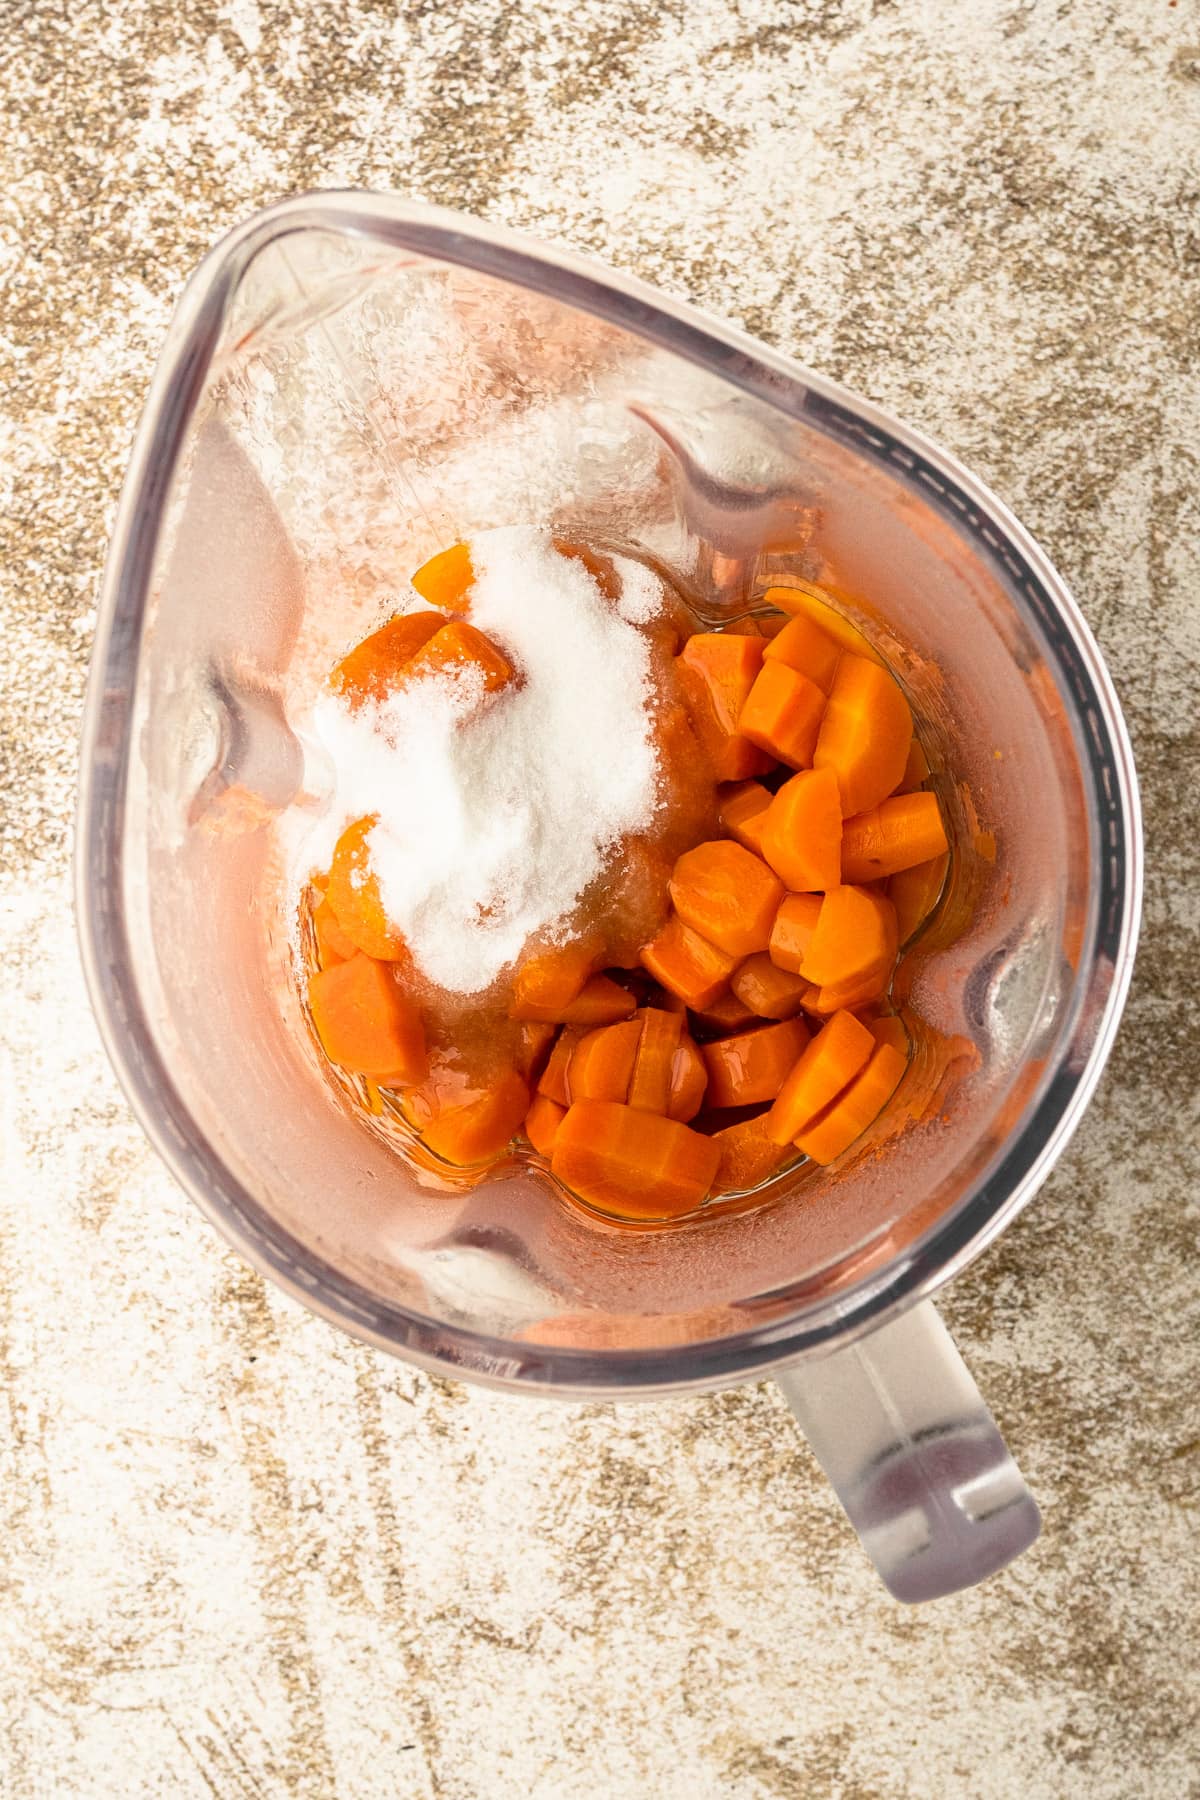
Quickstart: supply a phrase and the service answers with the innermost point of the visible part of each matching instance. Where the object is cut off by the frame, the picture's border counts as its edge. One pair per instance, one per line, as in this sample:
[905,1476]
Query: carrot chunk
[650,1086]
[804,600]
[447,578]
[752,1067]
[828,1065]
[547,982]
[743,810]
[553,1081]
[803,646]
[364,1022]
[769,991]
[725,1014]
[636,1165]
[897,834]
[845,996]
[459,646]
[600,1001]
[689,1078]
[716,672]
[792,931]
[802,832]
[728,895]
[687,964]
[865,735]
[542,1122]
[915,892]
[842,1123]
[782,714]
[333,944]
[601,1063]
[374,668]
[479,1129]
[748,1156]
[855,935]
[354,895]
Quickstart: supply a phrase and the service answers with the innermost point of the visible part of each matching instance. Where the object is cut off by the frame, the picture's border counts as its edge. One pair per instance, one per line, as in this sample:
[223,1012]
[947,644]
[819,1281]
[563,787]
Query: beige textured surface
[242,1555]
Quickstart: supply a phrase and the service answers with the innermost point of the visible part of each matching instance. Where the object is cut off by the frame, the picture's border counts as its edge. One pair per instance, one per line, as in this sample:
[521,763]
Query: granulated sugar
[495,816]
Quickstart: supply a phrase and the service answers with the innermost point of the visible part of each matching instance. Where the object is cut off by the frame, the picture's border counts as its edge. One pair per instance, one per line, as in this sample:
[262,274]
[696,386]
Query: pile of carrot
[757,1029]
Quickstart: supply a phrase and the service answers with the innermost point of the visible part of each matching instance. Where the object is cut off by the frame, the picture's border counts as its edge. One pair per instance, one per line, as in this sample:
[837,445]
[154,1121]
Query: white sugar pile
[494,819]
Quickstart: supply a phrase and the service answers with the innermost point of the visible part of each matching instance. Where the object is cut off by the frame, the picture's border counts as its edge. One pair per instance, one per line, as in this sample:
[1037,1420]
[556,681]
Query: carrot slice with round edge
[843,1123]
[865,735]
[845,996]
[687,964]
[716,672]
[769,991]
[542,1122]
[547,982]
[479,1129]
[650,1084]
[377,666]
[782,714]
[333,944]
[806,600]
[855,934]
[748,1156]
[533,1048]
[354,895]
[364,1022]
[725,1014]
[728,895]
[897,834]
[743,808]
[689,1078]
[828,1065]
[915,892]
[803,646]
[553,1079]
[600,1001]
[792,931]
[634,1164]
[802,832]
[447,578]
[752,1067]
[602,1062]
[457,648]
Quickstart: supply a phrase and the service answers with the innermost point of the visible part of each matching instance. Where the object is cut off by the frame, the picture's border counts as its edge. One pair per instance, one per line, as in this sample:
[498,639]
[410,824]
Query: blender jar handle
[915,1457]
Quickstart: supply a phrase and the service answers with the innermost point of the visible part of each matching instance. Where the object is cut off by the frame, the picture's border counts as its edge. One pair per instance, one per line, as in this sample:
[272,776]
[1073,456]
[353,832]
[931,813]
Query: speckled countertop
[242,1555]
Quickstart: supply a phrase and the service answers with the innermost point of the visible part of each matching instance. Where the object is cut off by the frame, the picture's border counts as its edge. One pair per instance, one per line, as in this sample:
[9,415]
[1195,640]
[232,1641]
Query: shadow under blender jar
[351,383]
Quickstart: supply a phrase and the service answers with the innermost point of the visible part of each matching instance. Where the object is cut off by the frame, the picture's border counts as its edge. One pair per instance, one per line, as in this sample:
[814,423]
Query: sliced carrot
[915,892]
[792,932]
[802,832]
[855,933]
[542,1122]
[553,1081]
[447,578]
[689,1078]
[804,600]
[600,1001]
[552,979]
[748,1156]
[782,714]
[716,672]
[333,944]
[865,735]
[602,1061]
[842,1123]
[533,1048]
[636,1165]
[354,895]
[769,991]
[726,1014]
[364,1022]
[897,834]
[743,810]
[375,668]
[687,964]
[916,769]
[479,1130]
[832,1060]
[846,996]
[458,646]
[728,895]
[752,1067]
[650,1086]
[803,646]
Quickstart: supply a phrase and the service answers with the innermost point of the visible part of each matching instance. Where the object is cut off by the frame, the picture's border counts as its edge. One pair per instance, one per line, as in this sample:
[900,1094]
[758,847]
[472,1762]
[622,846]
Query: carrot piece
[447,578]
[535,1040]
[547,982]
[826,1137]
[803,646]
[915,892]
[333,944]
[689,1078]
[743,809]
[480,1129]
[802,832]
[804,600]
[728,895]
[832,1060]
[636,1165]
[865,734]
[769,991]
[748,1156]
[364,1022]
[792,931]
[459,646]
[374,668]
[600,1001]
[687,964]
[846,996]
[602,1062]
[542,1122]
[890,1029]
[553,1081]
[782,714]
[897,834]
[716,672]
[650,1085]
[751,1067]
[726,1014]
[855,934]
[916,769]
[354,895]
